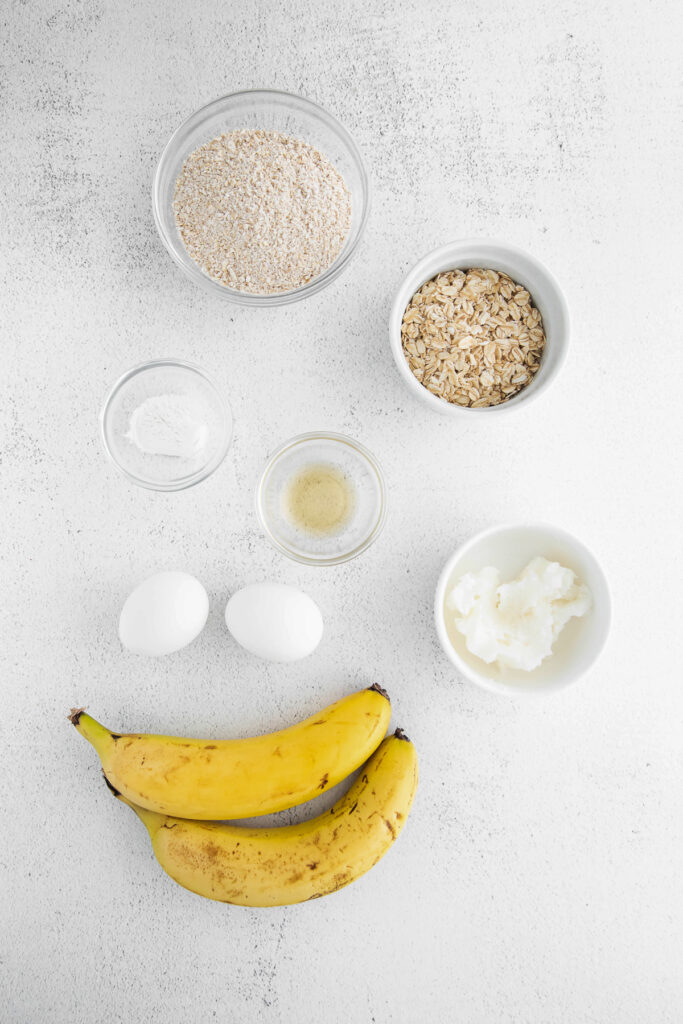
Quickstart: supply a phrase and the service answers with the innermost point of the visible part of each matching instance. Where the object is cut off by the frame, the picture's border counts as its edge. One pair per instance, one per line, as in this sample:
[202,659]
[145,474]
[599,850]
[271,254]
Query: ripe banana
[271,867]
[218,779]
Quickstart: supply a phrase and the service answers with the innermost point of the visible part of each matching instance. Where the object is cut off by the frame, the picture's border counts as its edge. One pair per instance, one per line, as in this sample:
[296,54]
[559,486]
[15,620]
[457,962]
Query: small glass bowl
[357,464]
[274,111]
[163,377]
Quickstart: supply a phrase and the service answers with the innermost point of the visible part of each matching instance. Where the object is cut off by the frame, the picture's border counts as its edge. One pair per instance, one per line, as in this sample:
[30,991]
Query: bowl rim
[424,267]
[480,678]
[295,294]
[322,435]
[194,478]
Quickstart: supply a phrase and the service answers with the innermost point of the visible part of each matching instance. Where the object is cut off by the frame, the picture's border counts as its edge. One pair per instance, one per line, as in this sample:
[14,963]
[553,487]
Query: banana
[271,867]
[218,779]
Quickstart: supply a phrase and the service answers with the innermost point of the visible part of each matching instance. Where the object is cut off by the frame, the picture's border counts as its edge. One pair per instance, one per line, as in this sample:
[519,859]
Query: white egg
[274,621]
[163,614]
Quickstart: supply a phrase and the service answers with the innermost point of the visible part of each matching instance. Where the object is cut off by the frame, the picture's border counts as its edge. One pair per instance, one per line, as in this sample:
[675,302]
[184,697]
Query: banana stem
[104,742]
[100,737]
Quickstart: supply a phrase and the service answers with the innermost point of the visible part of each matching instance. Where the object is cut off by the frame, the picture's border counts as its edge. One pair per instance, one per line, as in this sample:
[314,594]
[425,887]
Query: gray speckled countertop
[538,880]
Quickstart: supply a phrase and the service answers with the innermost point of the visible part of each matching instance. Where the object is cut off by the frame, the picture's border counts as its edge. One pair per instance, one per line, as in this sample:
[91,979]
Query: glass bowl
[165,377]
[273,111]
[368,512]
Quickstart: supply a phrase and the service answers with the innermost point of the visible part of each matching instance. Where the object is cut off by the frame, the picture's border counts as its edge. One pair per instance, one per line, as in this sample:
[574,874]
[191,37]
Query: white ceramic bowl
[546,295]
[509,548]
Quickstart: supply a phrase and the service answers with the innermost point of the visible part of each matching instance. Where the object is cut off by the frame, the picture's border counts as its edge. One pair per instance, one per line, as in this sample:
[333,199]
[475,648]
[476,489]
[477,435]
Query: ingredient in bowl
[163,614]
[261,212]
[274,621]
[168,425]
[276,866]
[319,499]
[515,624]
[196,778]
[473,337]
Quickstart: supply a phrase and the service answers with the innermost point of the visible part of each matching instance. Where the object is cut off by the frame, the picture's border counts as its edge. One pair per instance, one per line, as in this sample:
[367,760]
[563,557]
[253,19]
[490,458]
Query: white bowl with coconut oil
[509,548]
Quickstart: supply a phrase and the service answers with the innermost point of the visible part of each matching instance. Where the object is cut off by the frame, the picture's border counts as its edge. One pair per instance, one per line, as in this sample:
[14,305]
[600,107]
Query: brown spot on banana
[212,852]
[323,782]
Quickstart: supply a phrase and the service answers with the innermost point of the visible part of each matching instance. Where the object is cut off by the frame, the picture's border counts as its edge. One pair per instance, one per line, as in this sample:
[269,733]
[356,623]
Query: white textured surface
[539,878]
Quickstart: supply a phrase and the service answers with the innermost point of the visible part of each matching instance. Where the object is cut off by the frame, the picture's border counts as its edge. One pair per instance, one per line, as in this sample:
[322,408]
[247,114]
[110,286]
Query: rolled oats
[473,337]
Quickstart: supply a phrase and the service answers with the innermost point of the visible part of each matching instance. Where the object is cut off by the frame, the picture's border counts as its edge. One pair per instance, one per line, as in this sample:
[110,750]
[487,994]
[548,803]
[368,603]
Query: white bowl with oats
[546,602]
[479,327]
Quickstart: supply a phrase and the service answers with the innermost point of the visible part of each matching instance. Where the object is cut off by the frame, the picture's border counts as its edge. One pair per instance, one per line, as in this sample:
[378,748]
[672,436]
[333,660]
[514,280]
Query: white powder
[515,624]
[168,425]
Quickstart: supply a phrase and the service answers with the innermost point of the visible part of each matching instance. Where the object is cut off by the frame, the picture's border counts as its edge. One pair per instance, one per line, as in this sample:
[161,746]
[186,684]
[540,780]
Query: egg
[163,614]
[274,621]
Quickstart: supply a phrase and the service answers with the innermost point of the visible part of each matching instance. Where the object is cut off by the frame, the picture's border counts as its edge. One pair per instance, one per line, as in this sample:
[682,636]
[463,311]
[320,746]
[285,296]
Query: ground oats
[261,212]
